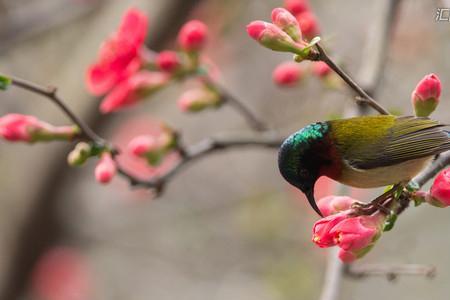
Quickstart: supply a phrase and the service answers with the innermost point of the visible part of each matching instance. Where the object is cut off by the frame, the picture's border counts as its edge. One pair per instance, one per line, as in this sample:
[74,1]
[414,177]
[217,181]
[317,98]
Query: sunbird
[363,152]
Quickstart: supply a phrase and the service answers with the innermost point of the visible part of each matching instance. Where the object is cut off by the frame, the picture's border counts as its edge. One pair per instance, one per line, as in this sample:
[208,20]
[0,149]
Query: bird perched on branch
[364,152]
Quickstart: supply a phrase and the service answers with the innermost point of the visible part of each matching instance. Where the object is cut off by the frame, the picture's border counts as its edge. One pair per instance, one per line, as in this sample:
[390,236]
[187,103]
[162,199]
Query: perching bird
[364,152]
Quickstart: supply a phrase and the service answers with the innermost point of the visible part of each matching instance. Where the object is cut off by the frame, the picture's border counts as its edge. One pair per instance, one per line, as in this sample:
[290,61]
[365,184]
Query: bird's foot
[376,204]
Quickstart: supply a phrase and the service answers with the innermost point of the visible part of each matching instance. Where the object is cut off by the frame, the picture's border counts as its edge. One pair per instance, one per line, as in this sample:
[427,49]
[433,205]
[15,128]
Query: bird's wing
[405,139]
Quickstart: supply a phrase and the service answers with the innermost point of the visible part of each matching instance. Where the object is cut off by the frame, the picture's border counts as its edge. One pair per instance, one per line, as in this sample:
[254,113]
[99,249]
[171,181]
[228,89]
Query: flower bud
[440,190]
[296,6]
[106,168]
[322,234]
[331,205]
[321,69]
[168,61]
[272,37]
[309,25]
[25,128]
[348,256]
[79,154]
[287,74]
[198,99]
[425,96]
[193,36]
[287,22]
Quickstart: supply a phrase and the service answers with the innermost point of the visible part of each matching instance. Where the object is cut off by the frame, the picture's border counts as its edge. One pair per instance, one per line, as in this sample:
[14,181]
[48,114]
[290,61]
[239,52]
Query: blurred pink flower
[197,99]
[106,168]
[168,61]
[118,57]
[308,24]
[287,74]
[321,69]
[296,6]
[193,35]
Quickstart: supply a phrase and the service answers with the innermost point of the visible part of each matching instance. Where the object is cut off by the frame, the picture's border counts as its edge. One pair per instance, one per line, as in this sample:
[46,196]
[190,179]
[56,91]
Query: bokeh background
[227,227]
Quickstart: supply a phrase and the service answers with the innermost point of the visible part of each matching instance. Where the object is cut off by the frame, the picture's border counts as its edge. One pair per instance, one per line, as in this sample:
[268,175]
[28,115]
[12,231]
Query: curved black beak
[312,201]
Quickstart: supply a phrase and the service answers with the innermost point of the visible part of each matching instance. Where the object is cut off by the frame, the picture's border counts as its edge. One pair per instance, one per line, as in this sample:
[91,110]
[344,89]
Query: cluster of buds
[127,72]
[425,97]
[29,129]
[354,235]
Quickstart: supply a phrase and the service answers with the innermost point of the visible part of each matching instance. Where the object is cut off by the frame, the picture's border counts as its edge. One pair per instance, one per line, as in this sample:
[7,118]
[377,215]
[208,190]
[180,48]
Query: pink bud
[135,88]
[331,205]
[322,229]
[287,74]
[193,35]
[287,22]
[425,96]
[142,144]
[321,69]
[105,169]
[296,6]
[346,256]
[17,127]
[197,99]
[168,61]
[272,37]
[308,24]
[440,190]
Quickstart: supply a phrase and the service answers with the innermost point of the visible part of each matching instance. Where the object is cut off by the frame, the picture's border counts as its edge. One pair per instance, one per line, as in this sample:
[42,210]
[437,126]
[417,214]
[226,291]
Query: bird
[363,152]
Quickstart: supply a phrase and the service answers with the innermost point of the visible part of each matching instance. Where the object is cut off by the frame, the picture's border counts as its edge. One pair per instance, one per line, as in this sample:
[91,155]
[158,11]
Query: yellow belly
[382,176]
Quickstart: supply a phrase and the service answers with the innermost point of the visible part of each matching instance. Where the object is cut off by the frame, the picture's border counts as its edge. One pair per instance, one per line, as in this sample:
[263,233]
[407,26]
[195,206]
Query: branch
[423,177]
[390,271]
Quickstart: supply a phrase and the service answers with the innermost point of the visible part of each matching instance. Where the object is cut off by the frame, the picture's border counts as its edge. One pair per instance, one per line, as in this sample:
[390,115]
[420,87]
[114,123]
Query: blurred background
[228,226]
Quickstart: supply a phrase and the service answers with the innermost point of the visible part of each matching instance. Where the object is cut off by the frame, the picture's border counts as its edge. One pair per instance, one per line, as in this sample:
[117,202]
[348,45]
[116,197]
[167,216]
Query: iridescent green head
[299,158]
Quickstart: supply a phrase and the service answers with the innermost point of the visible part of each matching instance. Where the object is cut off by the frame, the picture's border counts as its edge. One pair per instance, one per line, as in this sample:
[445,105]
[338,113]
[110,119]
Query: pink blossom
[296,6]
[106,168]
[440,190]
[25,128]
[133,89]
[308,24]
[322,229]
[193,36]
[287,74]
[197,99]
[118,57]
[321,69]
[287,22]
[272,37]
[168,61]
[333,204]
[142,144]
[425,96]
[346,256]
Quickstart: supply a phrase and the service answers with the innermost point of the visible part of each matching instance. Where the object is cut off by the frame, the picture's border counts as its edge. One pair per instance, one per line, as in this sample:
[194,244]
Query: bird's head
[301,157]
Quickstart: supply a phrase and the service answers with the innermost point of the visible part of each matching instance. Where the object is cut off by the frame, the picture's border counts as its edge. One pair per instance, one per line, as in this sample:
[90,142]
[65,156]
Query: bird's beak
[312,201]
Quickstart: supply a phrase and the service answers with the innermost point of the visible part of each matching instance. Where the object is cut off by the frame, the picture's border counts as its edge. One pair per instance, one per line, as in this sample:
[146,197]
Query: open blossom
[308,24]
[272,37]
[198,99]
[296,6]
[106,168]
[193,35]
[133,89]
[287,22]
[287,74]
[440,190]
[168,61]
[331,205]
[425,96]
[25,128]
[118,57]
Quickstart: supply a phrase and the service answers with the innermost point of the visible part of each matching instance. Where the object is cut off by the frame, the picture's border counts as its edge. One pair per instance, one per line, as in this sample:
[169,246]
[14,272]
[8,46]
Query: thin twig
[423,177]
[390,271]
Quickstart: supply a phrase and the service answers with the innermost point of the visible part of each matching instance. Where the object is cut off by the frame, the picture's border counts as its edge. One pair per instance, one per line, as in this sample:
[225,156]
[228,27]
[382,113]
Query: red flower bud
[287,22]
[296,6]
[193,35]
[106,168]
[308,24]
[331,205]
[321,69]
[346,256]
[425,96]
[197,99]
[440,190]
[272,37]
[168,61]
[322,234]
[287,74]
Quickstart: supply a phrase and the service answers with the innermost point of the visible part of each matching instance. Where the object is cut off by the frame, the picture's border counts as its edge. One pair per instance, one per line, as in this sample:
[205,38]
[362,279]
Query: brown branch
[390,271]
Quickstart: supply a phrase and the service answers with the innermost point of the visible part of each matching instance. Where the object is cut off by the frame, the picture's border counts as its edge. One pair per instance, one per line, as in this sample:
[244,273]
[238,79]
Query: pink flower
[287,22]
[296,6]
[308,24]
[356,233]
[133,89]
[322,229]
[272,37]
[168,61]
[118,57]
[346,256]
[331,205]
[17,127]
[105,169]
[440,190]
[425,96]
[193,36]
[197,99]
[321,69]
[287,74]
[142,144]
